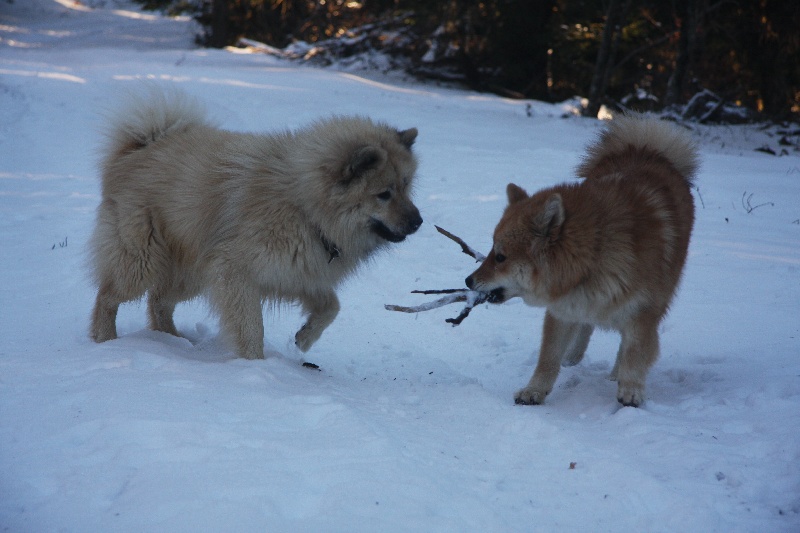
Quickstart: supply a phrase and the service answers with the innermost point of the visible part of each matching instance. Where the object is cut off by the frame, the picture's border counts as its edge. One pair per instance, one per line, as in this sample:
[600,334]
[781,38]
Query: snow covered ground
[410,424]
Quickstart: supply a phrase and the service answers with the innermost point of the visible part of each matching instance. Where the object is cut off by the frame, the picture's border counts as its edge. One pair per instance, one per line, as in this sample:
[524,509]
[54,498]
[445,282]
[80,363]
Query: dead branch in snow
[471,298]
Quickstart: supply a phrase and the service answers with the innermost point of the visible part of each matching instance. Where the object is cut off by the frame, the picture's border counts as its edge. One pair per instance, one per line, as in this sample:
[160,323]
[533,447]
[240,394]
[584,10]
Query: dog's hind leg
[120,284]
[322,309]
[577,347]
[104,316]
[637,353]
[165,287]
[160,307]
[121,266]
[169,290]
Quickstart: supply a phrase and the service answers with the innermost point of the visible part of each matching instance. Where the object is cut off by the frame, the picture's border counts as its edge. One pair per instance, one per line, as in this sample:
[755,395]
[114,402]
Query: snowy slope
[410,424]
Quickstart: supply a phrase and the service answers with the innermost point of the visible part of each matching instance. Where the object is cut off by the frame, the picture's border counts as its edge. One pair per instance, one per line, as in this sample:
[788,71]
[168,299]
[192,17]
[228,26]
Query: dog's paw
[306,337]
[529,396]
[630,394]
[102,337]
[253,356]
[103,332]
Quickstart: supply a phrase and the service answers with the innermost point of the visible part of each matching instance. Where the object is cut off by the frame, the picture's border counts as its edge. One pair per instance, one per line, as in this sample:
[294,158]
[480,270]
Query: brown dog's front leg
[556,337]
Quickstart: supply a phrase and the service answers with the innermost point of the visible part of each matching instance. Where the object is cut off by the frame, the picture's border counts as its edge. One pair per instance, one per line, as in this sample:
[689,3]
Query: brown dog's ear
[552,217]
[364,159]
[407,137]
[515,193]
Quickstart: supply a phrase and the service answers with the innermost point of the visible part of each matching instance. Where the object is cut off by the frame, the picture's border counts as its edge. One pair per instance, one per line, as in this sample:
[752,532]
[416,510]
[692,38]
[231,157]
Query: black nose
[470,282]
[416,222]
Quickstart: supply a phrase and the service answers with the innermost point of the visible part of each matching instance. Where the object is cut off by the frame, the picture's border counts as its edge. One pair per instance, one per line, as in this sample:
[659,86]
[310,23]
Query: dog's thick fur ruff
[605,252]
[189,209]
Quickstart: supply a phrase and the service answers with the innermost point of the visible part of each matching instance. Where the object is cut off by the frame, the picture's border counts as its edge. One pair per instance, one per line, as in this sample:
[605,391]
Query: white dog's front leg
[239,306]
[322,310]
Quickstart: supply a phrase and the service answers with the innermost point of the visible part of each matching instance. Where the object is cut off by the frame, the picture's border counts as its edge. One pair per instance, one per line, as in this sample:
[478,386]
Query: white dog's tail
[633,133]
[150,115]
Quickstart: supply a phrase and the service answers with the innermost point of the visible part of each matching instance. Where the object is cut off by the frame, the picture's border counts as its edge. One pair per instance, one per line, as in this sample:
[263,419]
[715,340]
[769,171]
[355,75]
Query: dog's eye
[499,258]
[385,195]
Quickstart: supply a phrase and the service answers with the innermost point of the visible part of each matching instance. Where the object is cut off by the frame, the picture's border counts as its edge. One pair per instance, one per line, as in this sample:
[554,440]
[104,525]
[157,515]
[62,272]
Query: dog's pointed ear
[407,137]
[552,217]
[515,193]
[364,159]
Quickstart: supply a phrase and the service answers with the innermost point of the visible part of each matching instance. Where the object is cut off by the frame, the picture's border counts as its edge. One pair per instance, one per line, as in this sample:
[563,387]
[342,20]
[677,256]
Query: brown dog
[189,209]
[606,252]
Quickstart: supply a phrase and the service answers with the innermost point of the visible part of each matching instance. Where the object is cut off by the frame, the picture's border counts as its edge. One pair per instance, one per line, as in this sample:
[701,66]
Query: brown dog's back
[641,171]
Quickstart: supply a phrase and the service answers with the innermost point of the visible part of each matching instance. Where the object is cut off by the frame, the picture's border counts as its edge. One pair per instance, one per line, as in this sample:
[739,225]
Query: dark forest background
[641,54]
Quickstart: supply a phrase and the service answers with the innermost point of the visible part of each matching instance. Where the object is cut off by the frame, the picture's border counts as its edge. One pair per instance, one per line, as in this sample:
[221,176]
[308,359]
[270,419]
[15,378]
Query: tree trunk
[219,24]
[689,12]
[597,89]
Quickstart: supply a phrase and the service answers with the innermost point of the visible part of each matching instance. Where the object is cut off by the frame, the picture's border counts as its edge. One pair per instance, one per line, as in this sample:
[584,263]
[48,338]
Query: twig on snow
[470,297]
[747,203]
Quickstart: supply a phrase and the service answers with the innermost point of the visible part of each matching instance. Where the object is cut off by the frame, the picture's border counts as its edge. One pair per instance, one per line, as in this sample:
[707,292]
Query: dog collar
[331,248]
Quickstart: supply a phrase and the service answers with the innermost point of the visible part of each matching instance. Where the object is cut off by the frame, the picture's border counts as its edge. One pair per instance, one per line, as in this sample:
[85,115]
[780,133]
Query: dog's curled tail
[148,116]
[635,133]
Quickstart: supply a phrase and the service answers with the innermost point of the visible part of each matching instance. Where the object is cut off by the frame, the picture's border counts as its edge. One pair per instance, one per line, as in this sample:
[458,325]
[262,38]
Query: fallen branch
[466,248]
[452,297]
[748,205]
[470,297]
[473,298]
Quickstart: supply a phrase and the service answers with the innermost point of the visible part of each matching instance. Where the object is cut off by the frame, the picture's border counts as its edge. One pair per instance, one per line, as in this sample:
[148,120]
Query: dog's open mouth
[384,232]
[497,296]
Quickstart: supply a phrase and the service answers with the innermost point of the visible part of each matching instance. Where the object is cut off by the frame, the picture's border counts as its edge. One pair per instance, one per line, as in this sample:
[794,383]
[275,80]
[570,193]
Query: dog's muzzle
[383,231]
[496,296]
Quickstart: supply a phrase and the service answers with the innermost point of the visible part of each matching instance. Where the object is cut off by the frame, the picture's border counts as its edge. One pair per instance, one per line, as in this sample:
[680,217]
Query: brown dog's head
[523,239]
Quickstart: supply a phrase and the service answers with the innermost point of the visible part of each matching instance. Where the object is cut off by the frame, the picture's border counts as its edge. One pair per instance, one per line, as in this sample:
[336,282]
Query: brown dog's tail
[632,135]
[148,116]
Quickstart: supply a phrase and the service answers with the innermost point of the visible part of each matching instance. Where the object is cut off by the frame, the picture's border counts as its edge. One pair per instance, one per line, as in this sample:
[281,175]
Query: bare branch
[470,297]
[748,205]
[466,248]
[696,188]
[479,298]
[441,302]
[440,291]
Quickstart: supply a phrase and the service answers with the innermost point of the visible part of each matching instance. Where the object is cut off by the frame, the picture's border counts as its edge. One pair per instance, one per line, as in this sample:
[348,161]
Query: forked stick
[453,296]
[472,298]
